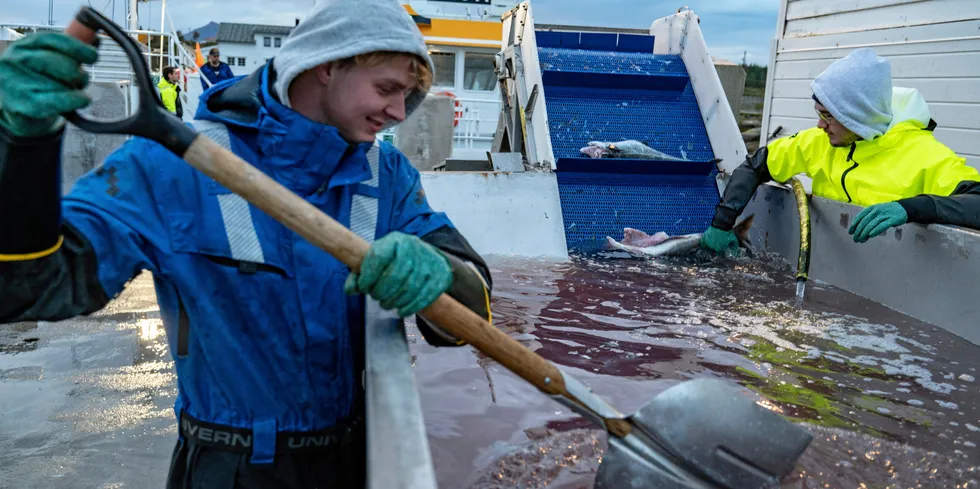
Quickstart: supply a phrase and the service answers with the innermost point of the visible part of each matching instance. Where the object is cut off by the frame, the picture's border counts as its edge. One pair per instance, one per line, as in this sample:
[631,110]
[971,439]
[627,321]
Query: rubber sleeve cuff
[725,218]
[30,195]
[920,209]
[740,189]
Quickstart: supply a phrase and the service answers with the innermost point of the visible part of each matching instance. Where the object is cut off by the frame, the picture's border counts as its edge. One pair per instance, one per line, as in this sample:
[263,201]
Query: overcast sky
[730,26]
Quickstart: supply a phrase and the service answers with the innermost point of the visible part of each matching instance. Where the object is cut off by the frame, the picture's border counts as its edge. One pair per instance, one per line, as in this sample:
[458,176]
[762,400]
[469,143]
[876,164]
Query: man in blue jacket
[215,70]
[265,329]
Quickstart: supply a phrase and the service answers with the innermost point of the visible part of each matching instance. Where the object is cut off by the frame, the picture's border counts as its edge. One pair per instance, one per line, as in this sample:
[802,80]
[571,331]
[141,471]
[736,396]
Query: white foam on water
[922,376]
[966,378]
[866,360]
[886,343]
[915,402]
[948,405]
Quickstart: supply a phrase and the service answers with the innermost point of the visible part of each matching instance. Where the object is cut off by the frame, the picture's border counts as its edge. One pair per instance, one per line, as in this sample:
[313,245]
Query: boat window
[445,65]
[267,42]
[478,72]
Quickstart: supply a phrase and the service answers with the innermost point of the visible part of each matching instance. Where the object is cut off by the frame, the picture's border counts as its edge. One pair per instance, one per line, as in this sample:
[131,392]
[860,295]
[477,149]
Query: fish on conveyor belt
[643,245]
[630,149]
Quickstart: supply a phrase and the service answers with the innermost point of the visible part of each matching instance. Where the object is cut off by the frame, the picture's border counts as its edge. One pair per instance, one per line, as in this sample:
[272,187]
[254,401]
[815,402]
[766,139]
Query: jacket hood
[908,105]
[340,29]
[857,91]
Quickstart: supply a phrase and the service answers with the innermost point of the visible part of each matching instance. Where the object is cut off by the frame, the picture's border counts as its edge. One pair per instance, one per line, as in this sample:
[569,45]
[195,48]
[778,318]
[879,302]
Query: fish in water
[638,243]
[630,149]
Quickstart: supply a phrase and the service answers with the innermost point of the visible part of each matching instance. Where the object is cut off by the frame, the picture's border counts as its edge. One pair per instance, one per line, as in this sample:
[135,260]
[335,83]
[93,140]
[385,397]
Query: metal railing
[468,131]
[159,49]
[397,447]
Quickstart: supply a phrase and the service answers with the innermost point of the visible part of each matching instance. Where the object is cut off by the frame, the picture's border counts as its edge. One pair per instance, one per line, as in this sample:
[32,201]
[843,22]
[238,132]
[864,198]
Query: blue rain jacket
[263,336]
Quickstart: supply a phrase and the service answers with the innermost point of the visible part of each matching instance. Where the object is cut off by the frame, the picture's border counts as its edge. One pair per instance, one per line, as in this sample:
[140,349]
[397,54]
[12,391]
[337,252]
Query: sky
[731,27]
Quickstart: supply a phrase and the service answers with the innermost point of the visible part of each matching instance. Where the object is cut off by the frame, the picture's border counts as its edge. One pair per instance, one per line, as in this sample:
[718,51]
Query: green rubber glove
[876,219]
[41,78]
[721,242]
[403,273]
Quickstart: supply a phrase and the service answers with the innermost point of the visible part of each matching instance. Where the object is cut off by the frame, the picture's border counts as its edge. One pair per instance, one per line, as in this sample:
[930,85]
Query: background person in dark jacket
[215,70]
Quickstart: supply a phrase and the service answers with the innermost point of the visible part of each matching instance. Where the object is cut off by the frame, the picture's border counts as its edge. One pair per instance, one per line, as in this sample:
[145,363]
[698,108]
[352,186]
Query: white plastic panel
[502,213]
[680,34]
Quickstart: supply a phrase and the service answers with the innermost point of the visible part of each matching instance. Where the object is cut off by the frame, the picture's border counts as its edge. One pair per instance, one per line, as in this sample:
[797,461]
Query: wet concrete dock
[88,403]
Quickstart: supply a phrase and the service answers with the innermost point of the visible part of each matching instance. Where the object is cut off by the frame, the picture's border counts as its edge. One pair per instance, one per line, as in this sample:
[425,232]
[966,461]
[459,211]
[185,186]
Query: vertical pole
[133,16]
[163,15]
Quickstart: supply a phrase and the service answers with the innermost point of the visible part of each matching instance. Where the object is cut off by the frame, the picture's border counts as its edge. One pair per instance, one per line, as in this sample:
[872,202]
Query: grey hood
[339,29]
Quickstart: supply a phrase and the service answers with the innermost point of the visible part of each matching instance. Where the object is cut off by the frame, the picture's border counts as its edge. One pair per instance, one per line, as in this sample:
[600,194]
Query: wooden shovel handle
[318,228]
[327,234]
[81,32]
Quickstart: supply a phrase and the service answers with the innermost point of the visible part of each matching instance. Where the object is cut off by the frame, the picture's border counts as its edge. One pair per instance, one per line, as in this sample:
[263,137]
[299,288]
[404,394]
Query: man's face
[174,76]
[839,135]
[214,59]
[360,100]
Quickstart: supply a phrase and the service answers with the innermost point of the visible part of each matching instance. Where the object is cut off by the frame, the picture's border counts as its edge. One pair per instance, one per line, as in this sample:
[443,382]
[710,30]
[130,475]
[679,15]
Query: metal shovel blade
[707,435]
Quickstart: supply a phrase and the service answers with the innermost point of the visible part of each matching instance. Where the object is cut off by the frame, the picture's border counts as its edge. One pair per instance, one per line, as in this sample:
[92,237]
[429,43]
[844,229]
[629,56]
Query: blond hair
[423,75]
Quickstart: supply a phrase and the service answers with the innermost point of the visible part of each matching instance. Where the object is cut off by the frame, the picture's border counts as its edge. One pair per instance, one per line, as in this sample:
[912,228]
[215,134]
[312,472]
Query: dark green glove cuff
[30,195]
[469,289]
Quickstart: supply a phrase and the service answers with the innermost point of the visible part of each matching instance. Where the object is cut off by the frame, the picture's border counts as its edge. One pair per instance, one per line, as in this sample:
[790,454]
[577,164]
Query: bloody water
[892,402]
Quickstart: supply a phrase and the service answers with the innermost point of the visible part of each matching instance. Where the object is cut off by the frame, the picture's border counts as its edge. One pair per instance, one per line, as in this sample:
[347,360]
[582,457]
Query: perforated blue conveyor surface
[604,87]
[596,205]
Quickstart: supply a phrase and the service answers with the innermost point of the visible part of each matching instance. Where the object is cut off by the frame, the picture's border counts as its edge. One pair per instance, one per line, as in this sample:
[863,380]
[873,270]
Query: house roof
[245,33]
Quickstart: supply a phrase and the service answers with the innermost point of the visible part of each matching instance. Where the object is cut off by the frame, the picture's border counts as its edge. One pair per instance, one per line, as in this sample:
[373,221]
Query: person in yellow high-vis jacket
[170,90]
[873,146]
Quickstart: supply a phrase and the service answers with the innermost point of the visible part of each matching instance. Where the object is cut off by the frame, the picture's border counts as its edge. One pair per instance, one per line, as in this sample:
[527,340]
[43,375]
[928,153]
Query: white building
[247,47]
[463,36]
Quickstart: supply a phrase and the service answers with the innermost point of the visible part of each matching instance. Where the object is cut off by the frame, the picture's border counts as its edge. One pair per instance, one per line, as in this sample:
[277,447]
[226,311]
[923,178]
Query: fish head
[593,151]
[613,245]
[742,231]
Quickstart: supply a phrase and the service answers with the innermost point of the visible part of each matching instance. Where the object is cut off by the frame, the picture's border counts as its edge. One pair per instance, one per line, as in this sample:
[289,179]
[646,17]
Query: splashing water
[800,290]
